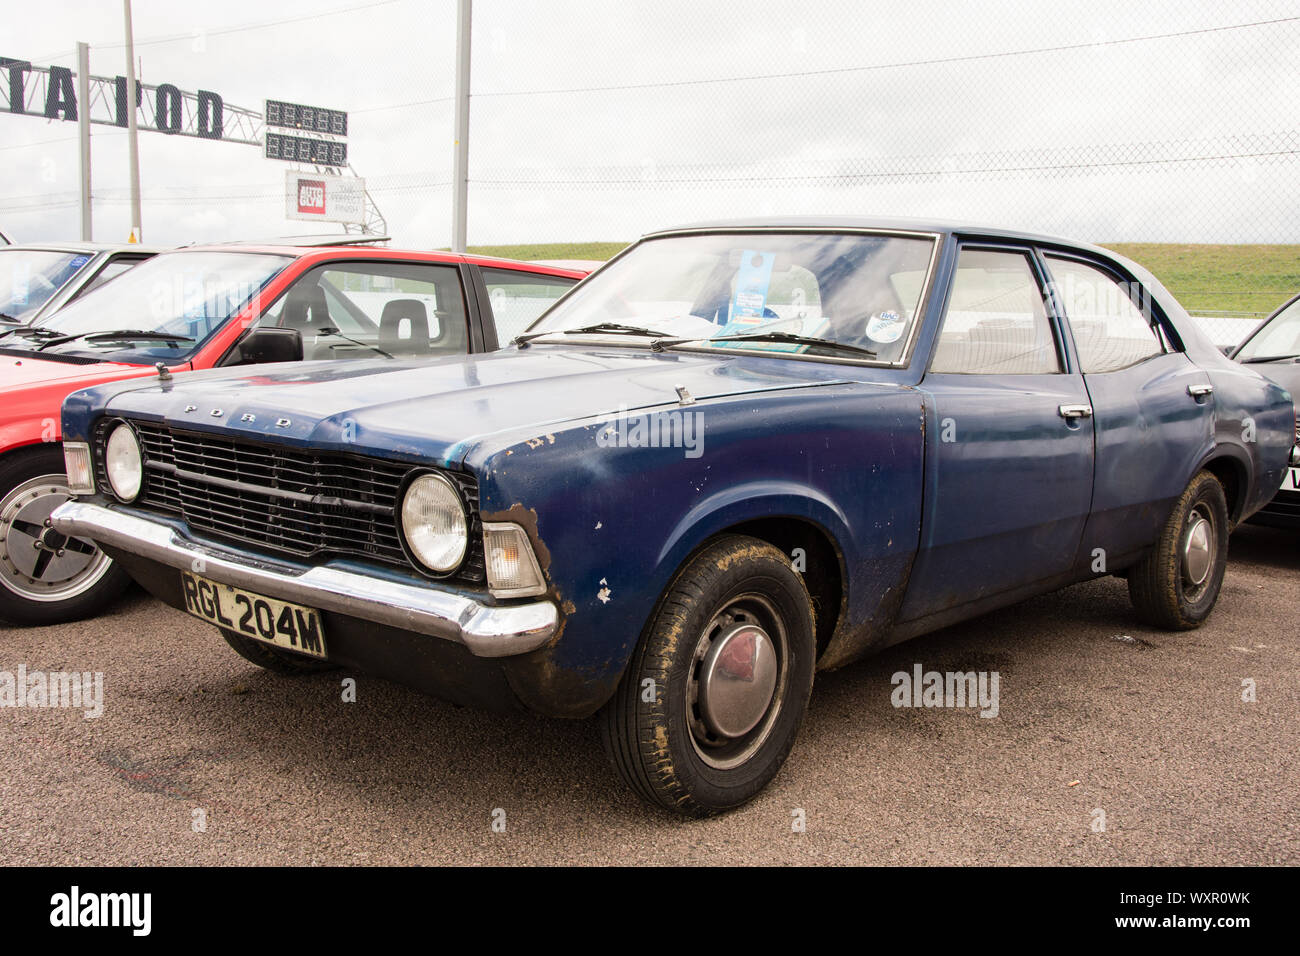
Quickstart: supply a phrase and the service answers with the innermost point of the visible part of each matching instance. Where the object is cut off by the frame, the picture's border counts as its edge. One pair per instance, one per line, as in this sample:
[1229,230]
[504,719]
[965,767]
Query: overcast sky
[601,121]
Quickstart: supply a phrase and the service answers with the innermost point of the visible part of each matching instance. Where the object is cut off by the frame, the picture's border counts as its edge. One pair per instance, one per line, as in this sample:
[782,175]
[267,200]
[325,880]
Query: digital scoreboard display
[308,118]
[300,149]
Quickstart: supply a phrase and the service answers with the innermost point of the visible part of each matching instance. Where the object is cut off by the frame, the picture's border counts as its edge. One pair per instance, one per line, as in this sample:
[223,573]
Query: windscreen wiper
[9,319]
[1269,358]
[330,330]
[614,327]
[795,338]
[118,335]
[33,332]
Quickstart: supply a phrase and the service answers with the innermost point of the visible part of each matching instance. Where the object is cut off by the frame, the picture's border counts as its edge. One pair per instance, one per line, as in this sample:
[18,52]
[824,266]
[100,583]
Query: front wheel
[718,686]
[1177,584]
[46,577]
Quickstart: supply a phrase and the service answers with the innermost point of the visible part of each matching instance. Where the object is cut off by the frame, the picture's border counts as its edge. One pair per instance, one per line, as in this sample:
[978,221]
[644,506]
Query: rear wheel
[46,577]
[273,658]
[1177,584]
[717,688]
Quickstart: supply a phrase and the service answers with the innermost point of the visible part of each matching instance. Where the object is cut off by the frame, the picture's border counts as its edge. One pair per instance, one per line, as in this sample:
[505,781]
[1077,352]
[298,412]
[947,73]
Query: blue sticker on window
[749,305]
[78,261]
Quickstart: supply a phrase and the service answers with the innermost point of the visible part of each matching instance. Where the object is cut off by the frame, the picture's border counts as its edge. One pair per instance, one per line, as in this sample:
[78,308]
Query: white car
[37,278]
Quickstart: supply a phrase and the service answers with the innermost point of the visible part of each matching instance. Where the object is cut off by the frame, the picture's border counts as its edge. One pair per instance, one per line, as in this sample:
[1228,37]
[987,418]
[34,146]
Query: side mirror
[264,345]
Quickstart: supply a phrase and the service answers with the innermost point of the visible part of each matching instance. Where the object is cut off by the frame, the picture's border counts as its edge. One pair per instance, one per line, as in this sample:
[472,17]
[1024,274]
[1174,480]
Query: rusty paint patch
[526,518]
[852,640]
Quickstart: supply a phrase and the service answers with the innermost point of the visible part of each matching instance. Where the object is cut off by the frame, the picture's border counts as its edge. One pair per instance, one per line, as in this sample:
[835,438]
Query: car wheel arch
[788,518]
[16,449]
[1233,468]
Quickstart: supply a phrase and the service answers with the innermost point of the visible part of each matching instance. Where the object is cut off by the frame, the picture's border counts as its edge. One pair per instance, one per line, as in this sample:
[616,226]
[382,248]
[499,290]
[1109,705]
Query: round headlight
[434,523]
[123,463]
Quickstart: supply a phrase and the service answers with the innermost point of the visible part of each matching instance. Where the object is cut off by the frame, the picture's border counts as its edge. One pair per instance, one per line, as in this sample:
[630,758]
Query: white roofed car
[38,278]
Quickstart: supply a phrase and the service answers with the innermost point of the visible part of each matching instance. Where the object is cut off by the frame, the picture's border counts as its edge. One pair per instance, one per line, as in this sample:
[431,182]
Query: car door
[1008,471]
[1153,408]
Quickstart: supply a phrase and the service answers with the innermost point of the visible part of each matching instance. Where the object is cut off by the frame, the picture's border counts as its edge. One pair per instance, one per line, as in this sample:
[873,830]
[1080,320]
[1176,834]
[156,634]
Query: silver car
[37,278]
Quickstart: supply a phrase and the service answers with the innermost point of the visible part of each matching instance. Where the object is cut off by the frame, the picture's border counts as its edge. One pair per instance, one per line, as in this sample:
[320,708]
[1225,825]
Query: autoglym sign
[313,197]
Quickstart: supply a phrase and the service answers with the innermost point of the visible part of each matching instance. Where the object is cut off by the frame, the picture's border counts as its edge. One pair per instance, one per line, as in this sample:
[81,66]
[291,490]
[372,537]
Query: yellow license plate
[291,626]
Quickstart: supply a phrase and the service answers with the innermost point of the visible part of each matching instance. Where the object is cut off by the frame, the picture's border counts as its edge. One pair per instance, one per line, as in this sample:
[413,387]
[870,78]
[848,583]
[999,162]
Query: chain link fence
[1166,129]
[1165,123]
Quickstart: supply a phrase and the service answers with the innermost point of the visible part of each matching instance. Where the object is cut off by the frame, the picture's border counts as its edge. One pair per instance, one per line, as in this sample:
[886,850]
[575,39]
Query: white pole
[460,158]
[132,137]
[83,135]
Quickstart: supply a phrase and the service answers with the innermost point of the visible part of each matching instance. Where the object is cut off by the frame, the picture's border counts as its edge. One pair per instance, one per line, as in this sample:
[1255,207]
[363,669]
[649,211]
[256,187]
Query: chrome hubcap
[737,681]
[36,561]
[1198,549]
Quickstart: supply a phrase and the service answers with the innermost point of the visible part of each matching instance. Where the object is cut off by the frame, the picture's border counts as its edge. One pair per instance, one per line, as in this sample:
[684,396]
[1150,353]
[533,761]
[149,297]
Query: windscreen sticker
[752,282]
[886,326]
[78,261]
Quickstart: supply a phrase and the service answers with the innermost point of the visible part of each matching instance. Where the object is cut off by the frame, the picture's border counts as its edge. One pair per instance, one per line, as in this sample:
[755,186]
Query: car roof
[888,224]
[80,246]
[324,253]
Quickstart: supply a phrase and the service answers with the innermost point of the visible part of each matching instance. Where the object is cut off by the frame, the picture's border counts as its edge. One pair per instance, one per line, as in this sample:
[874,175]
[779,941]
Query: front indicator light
[81,475]
[512,569]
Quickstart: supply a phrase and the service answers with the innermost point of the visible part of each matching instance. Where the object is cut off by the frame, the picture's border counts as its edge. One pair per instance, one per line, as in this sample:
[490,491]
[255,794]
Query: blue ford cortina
[735,455]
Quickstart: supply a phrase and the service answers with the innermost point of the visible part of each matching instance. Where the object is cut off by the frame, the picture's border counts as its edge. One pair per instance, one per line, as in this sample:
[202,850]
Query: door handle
[1198,391]
[1075,411]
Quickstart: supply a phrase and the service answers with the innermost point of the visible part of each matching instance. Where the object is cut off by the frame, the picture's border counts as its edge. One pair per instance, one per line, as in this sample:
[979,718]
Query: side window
[351,309]
[110,271]
[996,323]
[1110,332]
[518,298]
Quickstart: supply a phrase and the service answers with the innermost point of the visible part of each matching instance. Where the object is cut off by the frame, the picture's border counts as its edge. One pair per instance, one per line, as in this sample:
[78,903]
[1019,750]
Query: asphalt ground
[1113,744]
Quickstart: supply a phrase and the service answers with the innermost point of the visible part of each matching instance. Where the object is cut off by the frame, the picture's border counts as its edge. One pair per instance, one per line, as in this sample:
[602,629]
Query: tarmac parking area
[1112,744]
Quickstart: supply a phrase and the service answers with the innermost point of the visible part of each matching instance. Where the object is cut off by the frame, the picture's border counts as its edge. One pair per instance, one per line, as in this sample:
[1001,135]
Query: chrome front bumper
[486,631]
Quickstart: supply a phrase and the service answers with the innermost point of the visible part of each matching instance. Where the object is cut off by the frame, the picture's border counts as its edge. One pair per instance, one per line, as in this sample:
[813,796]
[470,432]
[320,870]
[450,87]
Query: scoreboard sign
[311,119]
[312,197]
[300,149]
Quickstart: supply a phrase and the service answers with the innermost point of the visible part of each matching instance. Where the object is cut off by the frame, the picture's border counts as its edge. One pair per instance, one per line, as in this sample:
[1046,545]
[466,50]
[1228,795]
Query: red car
[210,307]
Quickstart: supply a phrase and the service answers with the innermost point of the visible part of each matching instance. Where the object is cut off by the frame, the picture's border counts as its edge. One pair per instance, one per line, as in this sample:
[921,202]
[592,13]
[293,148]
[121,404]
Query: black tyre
[1177,584]
[45,577]
[273,658]
[718,686]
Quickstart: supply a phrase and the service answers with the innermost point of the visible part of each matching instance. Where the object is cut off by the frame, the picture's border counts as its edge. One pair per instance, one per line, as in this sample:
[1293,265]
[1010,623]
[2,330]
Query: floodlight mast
[83,138]
[132,134]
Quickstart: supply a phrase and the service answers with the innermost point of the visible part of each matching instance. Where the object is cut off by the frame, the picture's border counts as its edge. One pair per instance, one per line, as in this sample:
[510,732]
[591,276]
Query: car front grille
[283,500]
